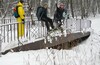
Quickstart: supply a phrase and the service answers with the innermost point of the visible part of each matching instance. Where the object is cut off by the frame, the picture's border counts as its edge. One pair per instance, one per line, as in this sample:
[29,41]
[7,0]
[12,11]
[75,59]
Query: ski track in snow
[87,53]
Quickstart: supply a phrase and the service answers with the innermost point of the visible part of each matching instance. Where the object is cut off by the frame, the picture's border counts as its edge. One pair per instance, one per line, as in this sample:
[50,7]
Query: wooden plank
[41,45]
[61,40]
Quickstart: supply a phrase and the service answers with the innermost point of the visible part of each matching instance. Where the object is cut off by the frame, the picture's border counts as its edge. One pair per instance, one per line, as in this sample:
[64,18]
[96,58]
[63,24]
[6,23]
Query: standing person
[21,18]
[58,15]
[42,16]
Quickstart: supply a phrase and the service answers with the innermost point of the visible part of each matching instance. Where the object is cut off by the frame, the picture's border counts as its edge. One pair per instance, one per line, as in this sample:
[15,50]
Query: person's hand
[39,19]
[23,21]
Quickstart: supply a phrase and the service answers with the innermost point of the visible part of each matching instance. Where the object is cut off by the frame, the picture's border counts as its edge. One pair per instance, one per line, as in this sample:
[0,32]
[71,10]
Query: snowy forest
[83,8]
[76,43]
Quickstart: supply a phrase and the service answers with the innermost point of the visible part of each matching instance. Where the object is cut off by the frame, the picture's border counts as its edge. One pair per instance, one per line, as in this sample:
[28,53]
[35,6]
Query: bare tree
[71,6]
[83,8]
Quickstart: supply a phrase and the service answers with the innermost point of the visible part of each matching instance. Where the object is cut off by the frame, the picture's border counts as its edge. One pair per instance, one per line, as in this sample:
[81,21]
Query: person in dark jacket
[58,15]
[43,17]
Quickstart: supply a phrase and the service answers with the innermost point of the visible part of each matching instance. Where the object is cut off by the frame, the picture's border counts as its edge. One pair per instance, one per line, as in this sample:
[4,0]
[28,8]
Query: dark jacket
[58,13]
[42,13]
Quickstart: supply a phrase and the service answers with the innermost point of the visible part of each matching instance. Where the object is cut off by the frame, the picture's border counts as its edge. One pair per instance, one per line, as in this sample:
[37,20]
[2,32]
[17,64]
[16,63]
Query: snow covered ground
[88,53]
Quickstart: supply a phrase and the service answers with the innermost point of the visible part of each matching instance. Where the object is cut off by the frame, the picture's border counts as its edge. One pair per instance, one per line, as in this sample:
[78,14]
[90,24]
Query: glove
[23,20]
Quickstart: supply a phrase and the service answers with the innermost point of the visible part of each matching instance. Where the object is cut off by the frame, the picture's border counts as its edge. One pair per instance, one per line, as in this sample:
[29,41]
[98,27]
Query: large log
[41,45]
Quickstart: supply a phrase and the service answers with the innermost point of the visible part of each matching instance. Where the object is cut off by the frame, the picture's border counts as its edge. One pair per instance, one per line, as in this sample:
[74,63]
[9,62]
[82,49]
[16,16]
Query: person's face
[62,6]
[46,6]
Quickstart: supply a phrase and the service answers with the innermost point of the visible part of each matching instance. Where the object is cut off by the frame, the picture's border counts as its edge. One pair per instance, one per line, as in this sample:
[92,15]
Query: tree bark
[71,6]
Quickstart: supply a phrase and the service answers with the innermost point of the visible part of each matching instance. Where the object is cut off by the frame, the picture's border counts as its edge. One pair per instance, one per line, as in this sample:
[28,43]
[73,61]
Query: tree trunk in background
[82,9]
[94,8]
[71,6]
[98,4]
[53,7]
[88,7]
[0,45]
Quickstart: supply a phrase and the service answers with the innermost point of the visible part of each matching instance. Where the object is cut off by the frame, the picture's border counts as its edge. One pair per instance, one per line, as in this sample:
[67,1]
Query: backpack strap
[17,10]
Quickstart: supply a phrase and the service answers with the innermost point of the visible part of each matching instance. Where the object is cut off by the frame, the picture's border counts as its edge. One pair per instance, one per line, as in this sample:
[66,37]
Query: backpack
[15,12]
[38,12]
